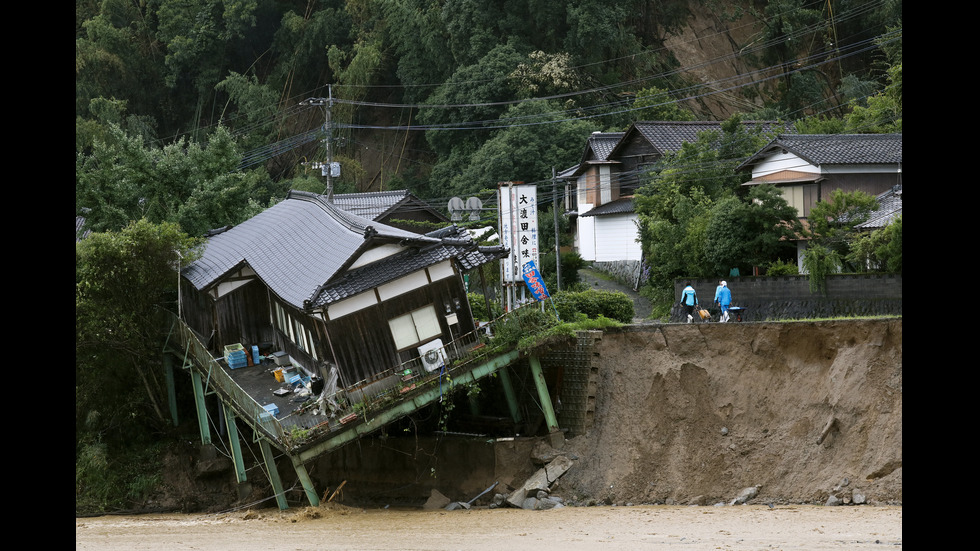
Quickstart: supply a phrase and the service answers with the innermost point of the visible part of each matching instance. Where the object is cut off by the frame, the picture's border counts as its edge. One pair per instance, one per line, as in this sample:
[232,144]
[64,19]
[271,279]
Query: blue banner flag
[534,281]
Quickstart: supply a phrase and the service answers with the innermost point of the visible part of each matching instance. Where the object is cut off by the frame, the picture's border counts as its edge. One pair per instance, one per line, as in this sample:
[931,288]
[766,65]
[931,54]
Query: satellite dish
[474,206]
[455,209]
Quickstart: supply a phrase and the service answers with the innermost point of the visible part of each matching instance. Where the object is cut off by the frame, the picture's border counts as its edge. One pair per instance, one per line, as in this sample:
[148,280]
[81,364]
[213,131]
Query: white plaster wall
[783,161]
[586,238]
[616,238]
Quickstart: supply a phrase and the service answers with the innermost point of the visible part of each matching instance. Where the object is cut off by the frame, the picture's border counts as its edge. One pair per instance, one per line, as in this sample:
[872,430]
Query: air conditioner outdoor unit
[432,355]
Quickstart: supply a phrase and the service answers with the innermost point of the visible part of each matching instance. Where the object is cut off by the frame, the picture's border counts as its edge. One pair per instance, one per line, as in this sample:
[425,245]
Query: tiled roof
[375,204]
[370,205]
[303,245]
[889,208]
[836,149]
[80,231]
[623,205]
[597,149]
[464,250]
[669,136]
[601,144]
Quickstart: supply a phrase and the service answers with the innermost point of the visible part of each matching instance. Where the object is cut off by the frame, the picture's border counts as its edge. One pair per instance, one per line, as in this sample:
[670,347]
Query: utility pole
[327,103]
[554,211]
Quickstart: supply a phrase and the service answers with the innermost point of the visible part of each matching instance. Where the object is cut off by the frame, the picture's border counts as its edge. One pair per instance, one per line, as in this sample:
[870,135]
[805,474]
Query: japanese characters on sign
[519,227]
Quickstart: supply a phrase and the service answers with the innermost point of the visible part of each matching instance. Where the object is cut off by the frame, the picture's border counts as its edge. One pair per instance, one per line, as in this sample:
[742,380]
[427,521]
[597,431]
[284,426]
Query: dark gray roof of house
[600,144]
[303,245]
[376,204]
[623,205]
[669,136]
[454,243]
[597,149]
[889,208]
[664,136]
[835,149]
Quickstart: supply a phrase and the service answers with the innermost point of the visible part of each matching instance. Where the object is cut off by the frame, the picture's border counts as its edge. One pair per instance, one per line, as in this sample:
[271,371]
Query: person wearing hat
[723,298]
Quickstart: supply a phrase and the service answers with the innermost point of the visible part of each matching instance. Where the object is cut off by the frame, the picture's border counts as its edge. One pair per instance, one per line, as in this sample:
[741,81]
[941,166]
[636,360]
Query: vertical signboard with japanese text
[518,227]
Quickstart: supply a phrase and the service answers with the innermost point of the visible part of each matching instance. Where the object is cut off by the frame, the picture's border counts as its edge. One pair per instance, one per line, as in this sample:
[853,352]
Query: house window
[416,326]
[299,335]
[294,330]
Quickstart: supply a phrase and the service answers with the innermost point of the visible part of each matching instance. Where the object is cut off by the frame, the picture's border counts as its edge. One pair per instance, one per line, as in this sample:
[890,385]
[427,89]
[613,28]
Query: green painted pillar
[304,478]
[202,413]
[233,441]
[168,371]
[515,410]
[270,470]
[543,395]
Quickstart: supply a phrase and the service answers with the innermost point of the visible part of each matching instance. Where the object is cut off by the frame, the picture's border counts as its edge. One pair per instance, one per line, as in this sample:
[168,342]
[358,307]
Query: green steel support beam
[236,445]
[304,478]
[168,370]
[202,412]
[543,395]
[402,409]
[515,410]
[273,473]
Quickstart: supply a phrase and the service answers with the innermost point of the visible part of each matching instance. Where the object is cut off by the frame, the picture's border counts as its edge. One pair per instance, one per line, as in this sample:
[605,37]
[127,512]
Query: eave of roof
[786,177]
[466,254]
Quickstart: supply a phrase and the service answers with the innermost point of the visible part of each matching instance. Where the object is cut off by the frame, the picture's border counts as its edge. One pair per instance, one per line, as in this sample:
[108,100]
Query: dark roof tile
[302,246]
[835,149]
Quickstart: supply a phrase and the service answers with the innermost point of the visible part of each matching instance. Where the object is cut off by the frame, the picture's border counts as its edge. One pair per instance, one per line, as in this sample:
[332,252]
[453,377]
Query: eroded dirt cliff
[695,413]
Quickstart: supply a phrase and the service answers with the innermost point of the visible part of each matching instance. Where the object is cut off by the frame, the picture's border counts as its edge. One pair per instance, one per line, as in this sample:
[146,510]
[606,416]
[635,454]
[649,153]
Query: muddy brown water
[570,528]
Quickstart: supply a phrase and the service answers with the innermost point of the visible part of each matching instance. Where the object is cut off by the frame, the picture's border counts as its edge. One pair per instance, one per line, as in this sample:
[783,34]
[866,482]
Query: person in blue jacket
[723,298]
[689,299]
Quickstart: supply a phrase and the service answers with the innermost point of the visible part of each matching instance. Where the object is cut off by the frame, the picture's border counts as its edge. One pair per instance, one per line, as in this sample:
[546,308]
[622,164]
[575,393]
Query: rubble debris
[436,500]
[525,497]
[831,425]
[746,494]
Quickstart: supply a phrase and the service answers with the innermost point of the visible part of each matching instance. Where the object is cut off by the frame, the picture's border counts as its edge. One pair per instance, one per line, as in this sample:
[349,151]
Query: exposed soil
[692,414]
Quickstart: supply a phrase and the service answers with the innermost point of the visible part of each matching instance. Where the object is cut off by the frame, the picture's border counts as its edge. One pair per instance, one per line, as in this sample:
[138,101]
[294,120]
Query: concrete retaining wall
[626,272]
[789,297]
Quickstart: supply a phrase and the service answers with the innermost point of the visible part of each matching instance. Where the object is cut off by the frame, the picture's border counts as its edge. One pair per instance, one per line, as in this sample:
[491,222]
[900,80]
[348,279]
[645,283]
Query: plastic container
[235,356]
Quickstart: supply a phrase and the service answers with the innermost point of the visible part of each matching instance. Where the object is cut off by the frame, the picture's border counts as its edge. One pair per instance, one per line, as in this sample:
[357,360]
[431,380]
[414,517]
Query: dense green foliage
[593,304]
[123,282]
[536,326]
[835,243]
[443,97]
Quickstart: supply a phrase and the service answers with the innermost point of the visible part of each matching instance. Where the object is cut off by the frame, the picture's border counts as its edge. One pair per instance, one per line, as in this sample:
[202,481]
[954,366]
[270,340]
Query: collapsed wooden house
[346,298]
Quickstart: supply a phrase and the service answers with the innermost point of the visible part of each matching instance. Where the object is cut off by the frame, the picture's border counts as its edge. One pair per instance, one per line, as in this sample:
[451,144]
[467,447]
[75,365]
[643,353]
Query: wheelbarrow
[737,311]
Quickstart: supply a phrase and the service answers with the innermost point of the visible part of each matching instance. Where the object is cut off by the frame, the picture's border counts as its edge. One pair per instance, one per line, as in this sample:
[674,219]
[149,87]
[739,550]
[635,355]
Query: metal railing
[356,402]
[197,357]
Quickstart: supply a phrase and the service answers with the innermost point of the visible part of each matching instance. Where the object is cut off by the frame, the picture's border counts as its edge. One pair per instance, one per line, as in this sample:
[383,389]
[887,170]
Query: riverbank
[336,527]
